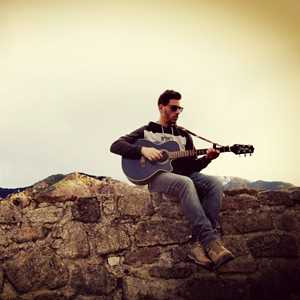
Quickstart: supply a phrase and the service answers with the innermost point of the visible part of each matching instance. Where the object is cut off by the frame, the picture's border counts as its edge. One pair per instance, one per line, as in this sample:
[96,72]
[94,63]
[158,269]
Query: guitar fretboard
[195,152]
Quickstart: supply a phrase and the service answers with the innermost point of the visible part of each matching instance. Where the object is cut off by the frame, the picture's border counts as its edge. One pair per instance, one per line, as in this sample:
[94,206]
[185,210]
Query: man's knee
[186,184]
[181,184]
[216,184]
[185,181]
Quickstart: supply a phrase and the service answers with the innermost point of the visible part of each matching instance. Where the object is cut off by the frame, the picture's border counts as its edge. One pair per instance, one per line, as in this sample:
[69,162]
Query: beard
[172,122]
[172,119]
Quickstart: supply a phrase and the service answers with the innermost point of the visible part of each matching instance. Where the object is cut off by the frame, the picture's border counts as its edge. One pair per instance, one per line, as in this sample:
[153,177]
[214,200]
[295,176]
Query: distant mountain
[232,183]
[5,192]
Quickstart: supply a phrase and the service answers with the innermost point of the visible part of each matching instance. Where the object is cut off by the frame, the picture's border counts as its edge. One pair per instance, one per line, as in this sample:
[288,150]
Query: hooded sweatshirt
[157,133]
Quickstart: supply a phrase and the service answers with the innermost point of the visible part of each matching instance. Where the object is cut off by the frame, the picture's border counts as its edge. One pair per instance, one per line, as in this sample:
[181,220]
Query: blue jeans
[200,198]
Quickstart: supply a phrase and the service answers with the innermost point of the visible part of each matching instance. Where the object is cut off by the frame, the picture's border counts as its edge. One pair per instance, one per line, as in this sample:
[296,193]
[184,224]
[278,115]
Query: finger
[158,153]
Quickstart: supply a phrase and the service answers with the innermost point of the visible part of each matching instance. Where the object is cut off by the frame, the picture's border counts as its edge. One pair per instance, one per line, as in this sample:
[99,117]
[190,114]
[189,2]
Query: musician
[199,194]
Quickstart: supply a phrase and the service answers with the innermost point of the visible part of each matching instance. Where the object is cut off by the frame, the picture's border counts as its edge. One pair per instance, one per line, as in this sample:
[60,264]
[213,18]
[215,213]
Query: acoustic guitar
[140,171]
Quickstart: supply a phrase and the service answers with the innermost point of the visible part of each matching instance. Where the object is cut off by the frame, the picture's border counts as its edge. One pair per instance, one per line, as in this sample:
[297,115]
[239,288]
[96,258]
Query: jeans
[200,198]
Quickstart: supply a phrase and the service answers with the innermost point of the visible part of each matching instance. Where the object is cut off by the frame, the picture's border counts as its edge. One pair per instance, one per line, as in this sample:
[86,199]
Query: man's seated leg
[183,188]
[210,192]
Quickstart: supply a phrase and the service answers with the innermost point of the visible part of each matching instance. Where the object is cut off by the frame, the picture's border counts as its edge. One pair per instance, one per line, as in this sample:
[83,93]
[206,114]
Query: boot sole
[225,259]
[208,266]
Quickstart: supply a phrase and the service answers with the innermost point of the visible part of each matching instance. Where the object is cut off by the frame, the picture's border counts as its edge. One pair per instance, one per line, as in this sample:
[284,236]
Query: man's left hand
[212,153]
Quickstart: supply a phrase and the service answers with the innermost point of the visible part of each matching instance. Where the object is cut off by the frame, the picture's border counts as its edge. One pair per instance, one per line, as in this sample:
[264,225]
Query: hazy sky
[76,75]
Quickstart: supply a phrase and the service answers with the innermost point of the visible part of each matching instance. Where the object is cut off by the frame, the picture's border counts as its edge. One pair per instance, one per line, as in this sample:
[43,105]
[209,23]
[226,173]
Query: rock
[9,293]
[74,241]
[241,191]
[48,214]
[86,210]
[4,239]
[110,239]
[29,233]
[135,204]
[153,233]
[115,296]
[114,260]
[109,206]
[176,271]
[211,288]
[244,222]
[167,209]
[236,245]
[9,214]
[289,221]
[50,296]
[277,280]
[70,188]
[21,199]
[121,189]
[11,250]
[1,280]
[142,256]
[241,264]
[180,253]
[240,202]
[91,279]
[137,289]
[38,268]
[275,198]
[294,194]
[273,245]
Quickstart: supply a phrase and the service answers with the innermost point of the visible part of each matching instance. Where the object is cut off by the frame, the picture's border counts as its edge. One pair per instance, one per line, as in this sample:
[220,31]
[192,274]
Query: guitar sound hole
[165,156]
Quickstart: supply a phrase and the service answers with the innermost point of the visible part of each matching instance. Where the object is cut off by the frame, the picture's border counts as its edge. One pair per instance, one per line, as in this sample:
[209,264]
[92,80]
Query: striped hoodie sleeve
[125,147]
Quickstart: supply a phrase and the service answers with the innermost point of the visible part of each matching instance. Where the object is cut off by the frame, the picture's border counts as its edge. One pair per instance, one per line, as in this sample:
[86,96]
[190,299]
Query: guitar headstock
[242,149]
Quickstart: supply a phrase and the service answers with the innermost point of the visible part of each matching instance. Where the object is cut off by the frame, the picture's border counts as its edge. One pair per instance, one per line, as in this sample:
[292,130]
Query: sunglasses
[174,108]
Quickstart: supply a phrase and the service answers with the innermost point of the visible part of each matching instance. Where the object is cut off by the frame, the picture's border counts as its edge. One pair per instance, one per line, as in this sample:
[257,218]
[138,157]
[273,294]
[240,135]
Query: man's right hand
[151,153]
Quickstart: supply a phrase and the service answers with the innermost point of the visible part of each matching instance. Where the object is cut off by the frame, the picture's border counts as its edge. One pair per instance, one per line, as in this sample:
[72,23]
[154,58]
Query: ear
[160,107]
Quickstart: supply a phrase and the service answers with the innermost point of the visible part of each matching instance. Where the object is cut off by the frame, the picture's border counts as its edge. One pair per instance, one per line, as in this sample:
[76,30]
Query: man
[199,194]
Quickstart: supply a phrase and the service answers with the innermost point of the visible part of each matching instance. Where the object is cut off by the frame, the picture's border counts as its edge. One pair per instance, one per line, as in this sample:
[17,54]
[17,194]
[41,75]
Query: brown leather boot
[218,253]
[198,255]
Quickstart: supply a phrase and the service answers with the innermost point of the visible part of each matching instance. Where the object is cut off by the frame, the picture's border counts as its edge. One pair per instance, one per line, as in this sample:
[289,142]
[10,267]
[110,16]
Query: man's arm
[199,164]
[124,146]
[203,161]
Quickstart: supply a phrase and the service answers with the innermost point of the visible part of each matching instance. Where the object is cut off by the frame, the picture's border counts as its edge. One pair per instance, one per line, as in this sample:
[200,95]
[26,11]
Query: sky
[76,75]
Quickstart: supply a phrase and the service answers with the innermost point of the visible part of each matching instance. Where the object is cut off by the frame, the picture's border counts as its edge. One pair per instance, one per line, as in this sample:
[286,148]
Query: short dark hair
[167,95]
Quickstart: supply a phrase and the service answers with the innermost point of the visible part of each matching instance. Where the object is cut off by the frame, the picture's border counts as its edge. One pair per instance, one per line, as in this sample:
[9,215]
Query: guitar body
[140,171]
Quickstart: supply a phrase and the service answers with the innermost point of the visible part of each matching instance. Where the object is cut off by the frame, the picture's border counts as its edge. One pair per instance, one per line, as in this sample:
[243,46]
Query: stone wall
[82,238]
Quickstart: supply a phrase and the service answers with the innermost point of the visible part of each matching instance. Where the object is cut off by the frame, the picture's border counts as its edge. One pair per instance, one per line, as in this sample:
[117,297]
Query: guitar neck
[195,152]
